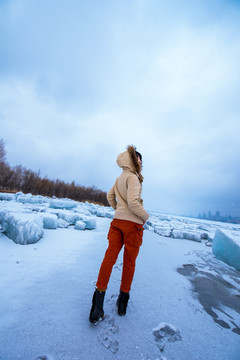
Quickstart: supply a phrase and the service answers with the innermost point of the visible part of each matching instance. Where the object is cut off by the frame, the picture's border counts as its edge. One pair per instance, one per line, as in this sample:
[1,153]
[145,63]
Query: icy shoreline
[24,217]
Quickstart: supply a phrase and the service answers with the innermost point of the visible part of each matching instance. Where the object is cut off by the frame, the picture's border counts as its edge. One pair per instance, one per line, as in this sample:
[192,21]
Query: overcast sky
[80,80]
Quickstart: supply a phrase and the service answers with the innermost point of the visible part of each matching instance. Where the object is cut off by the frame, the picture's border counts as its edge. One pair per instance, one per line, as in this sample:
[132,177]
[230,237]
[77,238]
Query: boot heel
[122,303]
[97,312]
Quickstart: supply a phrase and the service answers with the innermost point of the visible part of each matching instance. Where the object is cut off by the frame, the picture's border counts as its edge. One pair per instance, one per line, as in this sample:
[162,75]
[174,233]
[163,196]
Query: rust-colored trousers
[129,234]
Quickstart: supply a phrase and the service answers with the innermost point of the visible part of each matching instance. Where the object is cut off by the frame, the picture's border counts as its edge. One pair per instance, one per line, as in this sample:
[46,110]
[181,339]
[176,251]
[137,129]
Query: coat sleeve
[133,198]
[111,197]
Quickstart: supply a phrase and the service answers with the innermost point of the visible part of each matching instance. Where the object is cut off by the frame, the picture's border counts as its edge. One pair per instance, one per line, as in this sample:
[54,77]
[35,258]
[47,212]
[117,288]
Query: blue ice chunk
[93,211]
[3,212]
[62,224]
[91,223]
[23,228]
[70,217]
[105,212]
[80,225]
[63,204]
[226,247]
[50,221]
[7,196]
[101,213]
[31,199]
[187,235]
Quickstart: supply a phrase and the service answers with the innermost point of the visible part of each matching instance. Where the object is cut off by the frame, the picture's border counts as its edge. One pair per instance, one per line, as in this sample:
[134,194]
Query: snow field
[184,302]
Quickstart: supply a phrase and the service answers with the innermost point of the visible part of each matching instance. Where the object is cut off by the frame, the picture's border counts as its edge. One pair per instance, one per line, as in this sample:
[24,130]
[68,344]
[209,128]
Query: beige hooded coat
[125,195]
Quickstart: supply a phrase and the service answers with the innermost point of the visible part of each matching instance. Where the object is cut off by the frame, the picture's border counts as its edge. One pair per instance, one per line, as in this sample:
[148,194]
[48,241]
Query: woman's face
[139,161]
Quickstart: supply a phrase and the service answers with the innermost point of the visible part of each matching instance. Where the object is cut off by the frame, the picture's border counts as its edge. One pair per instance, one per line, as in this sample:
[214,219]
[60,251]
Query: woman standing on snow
[125,229]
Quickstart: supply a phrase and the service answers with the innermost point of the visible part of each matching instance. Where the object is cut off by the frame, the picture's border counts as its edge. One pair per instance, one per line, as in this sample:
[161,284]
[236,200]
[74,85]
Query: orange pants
[129,234]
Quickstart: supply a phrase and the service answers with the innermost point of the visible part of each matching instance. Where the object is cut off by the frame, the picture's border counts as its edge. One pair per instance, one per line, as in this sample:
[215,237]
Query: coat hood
[128,161]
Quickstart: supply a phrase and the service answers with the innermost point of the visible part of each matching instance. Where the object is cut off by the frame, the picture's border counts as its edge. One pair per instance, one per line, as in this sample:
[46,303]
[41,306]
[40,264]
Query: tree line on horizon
[19,178]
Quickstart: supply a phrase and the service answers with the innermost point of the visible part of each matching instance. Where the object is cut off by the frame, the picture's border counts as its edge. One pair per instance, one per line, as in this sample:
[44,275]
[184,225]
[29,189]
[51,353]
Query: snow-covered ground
[184,304]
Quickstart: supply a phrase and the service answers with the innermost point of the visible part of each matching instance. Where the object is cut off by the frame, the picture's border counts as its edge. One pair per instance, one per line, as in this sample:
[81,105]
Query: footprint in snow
[118,266]
[113,299]
[107,337]
[165,333]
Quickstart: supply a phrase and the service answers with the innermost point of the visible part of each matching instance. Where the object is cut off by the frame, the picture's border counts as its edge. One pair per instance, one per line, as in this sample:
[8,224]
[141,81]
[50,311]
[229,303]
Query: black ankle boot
[97,312]
[122,302]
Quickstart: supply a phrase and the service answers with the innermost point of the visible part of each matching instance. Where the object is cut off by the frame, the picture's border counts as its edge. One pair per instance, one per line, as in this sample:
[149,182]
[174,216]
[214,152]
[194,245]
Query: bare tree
[18,178]
[2,151]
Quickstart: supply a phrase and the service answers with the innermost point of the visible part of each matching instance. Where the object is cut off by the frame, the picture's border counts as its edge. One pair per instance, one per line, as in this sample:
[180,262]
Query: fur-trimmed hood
[128,161]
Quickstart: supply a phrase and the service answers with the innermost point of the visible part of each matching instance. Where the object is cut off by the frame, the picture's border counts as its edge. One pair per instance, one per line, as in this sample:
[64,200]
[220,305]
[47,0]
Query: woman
[125,229]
